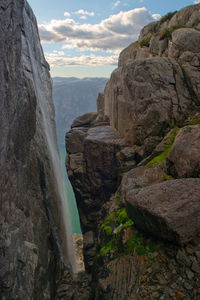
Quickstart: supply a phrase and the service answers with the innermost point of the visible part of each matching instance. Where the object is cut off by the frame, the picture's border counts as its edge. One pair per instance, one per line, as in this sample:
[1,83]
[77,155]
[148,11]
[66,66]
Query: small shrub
[167,17]
[167,32]
[145,42]
[196,25]
[167,177]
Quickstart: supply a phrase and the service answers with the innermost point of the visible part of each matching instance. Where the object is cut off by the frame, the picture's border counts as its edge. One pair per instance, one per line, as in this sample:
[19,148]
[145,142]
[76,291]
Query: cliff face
[141,153]
[29,201]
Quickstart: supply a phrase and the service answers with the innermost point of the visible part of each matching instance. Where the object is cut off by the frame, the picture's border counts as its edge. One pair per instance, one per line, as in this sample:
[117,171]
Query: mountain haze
[73,97]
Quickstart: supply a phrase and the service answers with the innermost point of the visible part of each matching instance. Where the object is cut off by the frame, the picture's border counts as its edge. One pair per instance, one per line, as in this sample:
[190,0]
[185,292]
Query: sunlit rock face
[28,193]
[157,79]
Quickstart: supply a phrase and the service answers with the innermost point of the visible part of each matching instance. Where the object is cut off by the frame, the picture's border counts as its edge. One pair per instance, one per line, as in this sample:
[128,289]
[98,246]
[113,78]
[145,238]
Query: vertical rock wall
[28,195]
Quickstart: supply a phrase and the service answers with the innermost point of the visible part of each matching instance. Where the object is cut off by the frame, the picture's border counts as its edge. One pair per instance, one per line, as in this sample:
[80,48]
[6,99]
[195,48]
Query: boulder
[184,39]
[140,177]
[184,157]
[146,90]
[74,139]
[169,210]
[85,120]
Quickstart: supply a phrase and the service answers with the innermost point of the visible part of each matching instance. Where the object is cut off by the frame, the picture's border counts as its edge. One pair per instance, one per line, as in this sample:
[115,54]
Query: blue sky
[84,38]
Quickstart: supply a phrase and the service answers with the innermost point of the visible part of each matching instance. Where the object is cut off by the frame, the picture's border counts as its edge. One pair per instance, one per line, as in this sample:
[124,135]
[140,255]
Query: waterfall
[36,72]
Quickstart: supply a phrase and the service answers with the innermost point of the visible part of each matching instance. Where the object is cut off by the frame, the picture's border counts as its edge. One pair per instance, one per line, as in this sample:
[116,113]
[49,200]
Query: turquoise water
[72,207]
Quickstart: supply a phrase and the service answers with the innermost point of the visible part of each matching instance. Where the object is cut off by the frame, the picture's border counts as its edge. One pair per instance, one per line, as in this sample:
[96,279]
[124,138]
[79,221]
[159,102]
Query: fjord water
[71,201]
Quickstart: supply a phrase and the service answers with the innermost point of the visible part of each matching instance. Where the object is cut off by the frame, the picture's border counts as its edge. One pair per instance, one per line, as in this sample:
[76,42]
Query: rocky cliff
[32,229]
[137,161]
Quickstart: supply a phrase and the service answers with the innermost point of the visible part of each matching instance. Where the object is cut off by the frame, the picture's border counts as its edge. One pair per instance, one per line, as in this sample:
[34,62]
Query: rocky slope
[31,223]
[137,160]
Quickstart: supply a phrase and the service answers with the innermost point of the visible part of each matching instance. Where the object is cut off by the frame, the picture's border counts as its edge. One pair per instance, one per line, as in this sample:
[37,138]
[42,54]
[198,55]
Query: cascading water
[43,90]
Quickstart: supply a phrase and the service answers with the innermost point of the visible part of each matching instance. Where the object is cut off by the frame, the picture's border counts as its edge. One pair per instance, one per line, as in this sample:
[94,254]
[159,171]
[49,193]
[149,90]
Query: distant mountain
[74,97]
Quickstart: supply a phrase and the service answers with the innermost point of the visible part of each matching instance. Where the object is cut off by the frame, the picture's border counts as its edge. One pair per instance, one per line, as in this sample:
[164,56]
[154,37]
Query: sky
[84,38]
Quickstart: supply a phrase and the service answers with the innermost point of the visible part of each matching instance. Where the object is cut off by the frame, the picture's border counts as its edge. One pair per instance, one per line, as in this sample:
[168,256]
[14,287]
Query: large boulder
[169,210]
[184,157]
[146,90]
[93,168]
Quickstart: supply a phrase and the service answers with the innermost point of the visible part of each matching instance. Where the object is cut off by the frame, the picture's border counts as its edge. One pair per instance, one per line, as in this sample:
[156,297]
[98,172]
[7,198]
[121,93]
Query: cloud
[67,14]
[111,34]
[84,12]
[117,3]
[196,1]
[89,60]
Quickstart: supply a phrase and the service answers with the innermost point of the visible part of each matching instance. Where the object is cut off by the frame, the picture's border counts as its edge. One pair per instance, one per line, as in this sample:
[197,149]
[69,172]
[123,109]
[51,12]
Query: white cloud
[196,1]
[84,12]
[89,60]
[117,3]
[156,17]
[111,34]
[83,17]
[67,14]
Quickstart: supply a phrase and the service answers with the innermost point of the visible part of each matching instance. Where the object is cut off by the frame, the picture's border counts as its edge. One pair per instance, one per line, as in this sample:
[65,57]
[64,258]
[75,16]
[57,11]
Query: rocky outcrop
[183,159]
[146,160]
[30,247]
[169,210]
[92,168]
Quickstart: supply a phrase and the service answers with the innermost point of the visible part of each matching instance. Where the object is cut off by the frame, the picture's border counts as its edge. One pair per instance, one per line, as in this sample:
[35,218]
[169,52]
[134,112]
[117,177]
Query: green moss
[167,177]
[166,54]
[145,42]
[196,25]
[121,216]
[167,17]
[78,153]
[162,156]
[111,245]
[195,120]
[117,200]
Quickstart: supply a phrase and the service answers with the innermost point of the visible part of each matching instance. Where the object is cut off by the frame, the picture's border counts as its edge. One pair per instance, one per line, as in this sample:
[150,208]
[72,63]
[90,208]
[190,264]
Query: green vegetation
[163,155]
[145,42]
[167,17]
[167,177]
[196,25]
[195,120]
[167,32]
[117,200]
[111,237]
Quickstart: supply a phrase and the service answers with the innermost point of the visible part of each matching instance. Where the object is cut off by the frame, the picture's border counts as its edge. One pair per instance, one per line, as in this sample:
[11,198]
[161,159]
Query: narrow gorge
[134,166]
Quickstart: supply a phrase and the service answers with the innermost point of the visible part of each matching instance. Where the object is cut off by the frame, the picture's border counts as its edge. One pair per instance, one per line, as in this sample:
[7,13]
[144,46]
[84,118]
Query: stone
[143,90]
[180,295]
[74,139]
[85,120]
[88,239]
[30,203]
[184,158]
[141,177]
[169,210]
[196,267]
[184,39]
